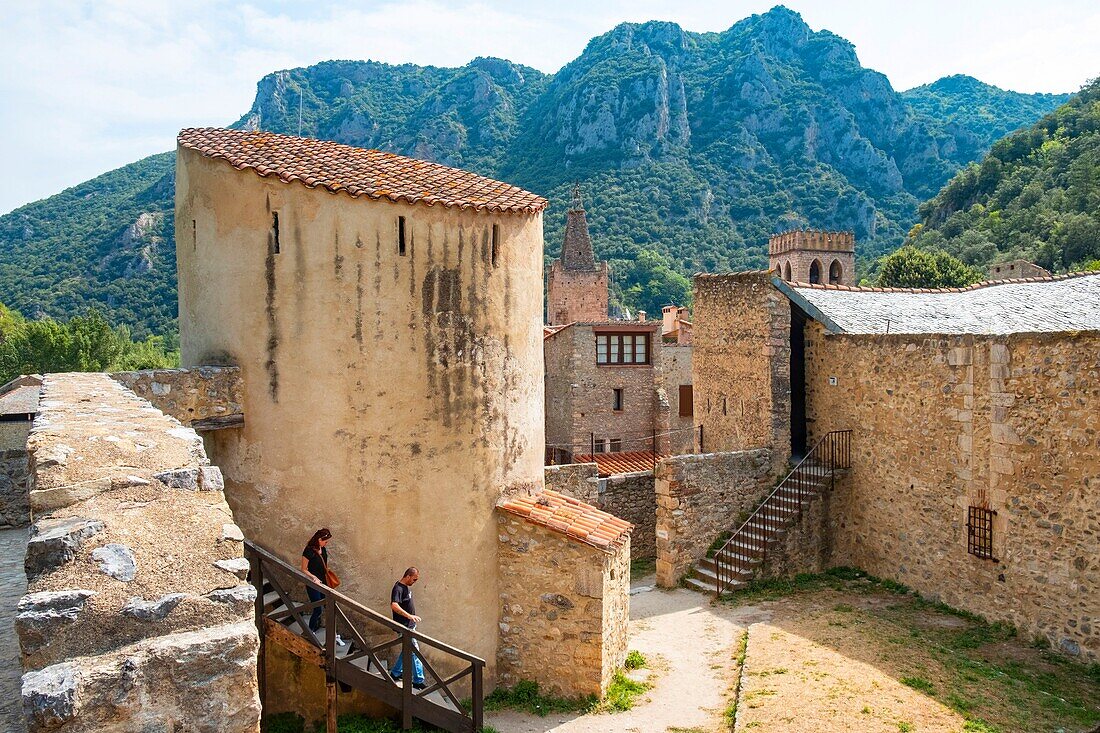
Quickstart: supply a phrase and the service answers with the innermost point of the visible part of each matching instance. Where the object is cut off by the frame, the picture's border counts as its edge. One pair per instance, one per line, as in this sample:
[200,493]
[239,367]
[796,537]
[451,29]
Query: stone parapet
[578,480]
[698,498]
[205,397]
[631,496]
[126,622]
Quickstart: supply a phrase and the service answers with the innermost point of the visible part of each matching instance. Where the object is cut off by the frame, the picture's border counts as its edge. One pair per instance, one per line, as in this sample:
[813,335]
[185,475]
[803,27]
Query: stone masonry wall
[631,496]
[564,610]
[14,504]
[806,546]
[741,364]
[192,396]
[137,615]
[699,497]
[576,295]
[675,371]
[579,480]
[942,423]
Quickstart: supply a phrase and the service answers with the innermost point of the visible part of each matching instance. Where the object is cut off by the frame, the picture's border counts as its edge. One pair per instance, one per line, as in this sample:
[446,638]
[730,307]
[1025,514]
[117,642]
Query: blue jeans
[418,668]
[315,617]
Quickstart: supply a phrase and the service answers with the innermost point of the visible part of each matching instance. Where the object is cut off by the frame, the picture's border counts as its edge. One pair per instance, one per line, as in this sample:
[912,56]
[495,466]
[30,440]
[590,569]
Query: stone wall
[576,295]
[14,503]
[942,423]
[579,480]
[137,613]
[676,371]
[200,397]
[564,612]
[806,544]
[741,364]
[631,496]
[699,497]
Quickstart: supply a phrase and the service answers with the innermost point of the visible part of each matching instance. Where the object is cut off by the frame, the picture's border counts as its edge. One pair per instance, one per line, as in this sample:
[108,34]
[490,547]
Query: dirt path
[13,546]
[691,646]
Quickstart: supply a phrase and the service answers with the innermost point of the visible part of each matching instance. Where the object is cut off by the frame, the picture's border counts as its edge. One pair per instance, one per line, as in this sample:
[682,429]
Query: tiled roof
[20,401]
[608,464]
[571,517]
[548,331]
[358,171]
[1033,305]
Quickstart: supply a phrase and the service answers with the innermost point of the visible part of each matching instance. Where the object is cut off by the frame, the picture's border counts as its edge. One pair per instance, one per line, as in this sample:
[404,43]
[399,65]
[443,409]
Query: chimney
[668,319]
[641,315]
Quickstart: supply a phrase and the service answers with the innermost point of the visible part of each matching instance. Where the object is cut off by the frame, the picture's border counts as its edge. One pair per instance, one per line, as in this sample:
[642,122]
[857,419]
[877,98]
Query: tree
[655,284]
[910,267]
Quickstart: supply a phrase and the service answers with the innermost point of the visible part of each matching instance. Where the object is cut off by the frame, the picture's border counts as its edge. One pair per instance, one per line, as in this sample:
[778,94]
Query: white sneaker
[339,640]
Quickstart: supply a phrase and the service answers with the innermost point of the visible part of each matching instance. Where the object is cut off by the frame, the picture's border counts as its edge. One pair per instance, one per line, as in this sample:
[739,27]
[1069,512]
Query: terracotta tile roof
[571,517]
[548,331]
[623,462]
[357,171]
[1034,305]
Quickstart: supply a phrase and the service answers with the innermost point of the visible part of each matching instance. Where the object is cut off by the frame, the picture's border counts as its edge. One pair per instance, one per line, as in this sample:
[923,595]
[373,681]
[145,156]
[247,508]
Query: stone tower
[810,256]
[577,288]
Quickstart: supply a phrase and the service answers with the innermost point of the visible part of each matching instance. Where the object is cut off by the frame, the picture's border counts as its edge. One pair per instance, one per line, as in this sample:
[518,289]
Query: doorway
[798,382]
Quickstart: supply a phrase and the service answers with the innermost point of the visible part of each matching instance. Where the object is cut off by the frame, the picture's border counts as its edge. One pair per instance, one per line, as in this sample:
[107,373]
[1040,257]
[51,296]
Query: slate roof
[1034,305]
[608,464]
[357,171]
[20,401]
[571,517]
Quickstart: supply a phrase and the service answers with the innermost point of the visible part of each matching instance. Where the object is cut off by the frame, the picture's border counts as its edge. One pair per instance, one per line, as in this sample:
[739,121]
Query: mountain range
[691,149]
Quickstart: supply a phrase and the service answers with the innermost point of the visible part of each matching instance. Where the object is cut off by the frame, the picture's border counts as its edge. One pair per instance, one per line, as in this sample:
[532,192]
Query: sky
[86,87]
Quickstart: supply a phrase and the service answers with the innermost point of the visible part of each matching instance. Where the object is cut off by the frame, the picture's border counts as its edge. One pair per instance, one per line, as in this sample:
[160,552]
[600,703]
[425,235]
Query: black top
[316,562]
[402,595]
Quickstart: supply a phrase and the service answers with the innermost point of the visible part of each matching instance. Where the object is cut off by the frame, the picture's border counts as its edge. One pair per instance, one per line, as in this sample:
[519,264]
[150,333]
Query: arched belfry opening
[836,273]
[815,271]
[787,271]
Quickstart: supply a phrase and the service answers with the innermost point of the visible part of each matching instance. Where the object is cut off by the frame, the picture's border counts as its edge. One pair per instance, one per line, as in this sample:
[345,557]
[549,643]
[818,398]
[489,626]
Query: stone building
[811,256]
[18,406]
[576,287]
[975,416]
[385,316]
[1016,270]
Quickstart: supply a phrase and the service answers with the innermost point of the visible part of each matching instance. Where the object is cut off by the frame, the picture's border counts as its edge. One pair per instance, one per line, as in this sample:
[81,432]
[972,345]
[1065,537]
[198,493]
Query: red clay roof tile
[622,462]
[571,517]
[357,171]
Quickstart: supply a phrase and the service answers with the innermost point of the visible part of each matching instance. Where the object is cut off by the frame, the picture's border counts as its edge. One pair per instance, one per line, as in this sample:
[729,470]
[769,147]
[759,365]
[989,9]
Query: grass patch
[730,713]
[720,540]
[635,660]
[979,726]
[622,693]
[525,696]
[919,684]
[642,567]
[904,726]
[284,723]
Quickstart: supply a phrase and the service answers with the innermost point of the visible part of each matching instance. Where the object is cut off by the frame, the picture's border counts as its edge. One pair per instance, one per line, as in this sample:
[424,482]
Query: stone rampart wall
[741,364]
[14,504]
[578,480]
[564,610]
[699,497]
[137,615]
[206,394]
[944,423]
[631,496]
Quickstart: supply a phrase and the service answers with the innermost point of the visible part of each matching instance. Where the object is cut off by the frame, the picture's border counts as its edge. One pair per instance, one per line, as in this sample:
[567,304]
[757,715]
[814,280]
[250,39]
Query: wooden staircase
[357,654]
[734,564]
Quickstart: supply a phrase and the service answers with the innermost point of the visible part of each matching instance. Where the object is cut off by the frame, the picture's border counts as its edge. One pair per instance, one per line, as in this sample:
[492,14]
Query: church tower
[577,289]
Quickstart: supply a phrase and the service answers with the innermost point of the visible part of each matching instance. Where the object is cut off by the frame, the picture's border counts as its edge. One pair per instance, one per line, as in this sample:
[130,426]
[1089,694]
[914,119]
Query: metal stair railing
[736,557]
[360,664]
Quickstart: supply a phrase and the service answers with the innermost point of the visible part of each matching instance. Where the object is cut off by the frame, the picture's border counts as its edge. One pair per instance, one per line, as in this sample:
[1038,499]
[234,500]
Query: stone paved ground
[13,583]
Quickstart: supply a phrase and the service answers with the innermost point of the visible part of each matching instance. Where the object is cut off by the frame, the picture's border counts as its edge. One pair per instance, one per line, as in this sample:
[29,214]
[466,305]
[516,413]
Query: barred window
[979,532]
[622,348]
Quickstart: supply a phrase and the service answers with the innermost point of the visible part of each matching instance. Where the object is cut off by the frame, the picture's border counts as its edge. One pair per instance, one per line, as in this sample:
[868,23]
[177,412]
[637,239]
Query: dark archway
[836,272]
[798,382]
[815,272]
[787,272]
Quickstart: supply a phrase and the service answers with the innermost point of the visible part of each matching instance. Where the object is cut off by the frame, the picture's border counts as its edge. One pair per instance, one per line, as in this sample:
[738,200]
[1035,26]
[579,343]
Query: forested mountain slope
[691,149]
[1035,196]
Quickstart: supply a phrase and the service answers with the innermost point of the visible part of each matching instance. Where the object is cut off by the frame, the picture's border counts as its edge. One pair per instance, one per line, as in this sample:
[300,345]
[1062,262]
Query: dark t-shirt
[402,595]
[317,562]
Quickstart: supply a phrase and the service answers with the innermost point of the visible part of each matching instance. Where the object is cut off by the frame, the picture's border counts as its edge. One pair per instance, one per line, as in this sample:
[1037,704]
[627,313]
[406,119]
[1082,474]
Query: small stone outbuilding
[564,594]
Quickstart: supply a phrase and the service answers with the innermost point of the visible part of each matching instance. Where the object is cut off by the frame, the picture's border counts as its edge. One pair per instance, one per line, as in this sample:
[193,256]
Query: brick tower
[810,256]
[577,289]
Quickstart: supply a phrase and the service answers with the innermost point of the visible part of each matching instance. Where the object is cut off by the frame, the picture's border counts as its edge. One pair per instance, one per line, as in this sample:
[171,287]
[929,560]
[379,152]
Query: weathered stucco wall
[944,422]
[741,364]
[564,609]
[699,497]
[631,496]
[392,398]
[202,397]
[136,612]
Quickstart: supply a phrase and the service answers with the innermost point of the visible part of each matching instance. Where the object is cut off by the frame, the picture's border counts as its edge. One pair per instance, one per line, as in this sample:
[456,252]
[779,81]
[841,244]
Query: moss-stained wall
[392,398]
[941,423]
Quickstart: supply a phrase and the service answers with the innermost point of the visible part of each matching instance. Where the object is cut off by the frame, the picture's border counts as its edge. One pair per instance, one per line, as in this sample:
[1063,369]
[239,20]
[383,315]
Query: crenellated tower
[813,256]
[577,287]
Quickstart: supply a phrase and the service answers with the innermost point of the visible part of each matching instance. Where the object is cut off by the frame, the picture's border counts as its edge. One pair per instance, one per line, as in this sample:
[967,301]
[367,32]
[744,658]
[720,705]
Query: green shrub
[635,660]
